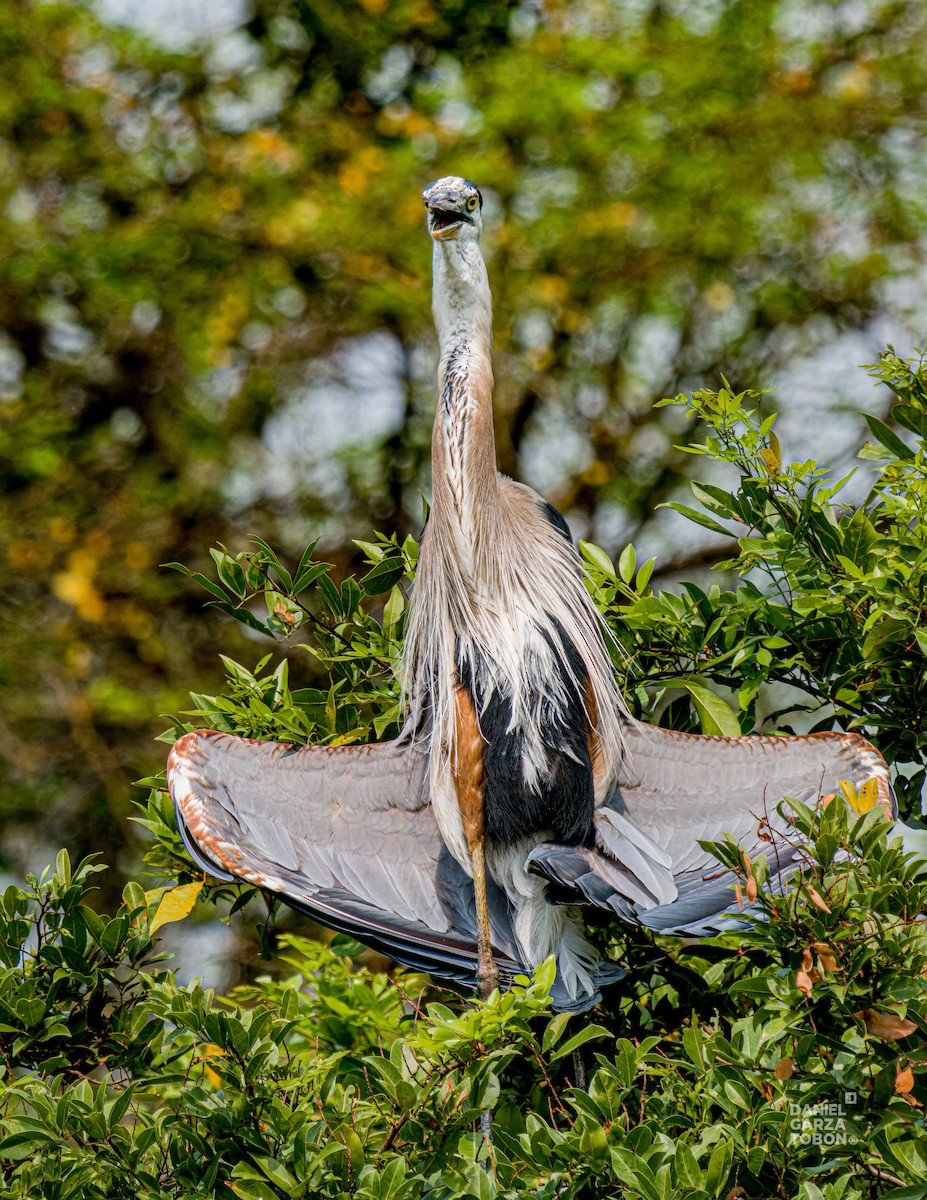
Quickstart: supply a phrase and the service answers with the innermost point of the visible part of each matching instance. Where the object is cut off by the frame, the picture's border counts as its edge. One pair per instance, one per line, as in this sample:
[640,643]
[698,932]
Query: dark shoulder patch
[558,520]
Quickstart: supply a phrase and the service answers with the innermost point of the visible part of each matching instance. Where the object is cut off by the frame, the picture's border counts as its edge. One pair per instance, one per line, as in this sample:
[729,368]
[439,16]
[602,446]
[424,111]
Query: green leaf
[230,572]
[911,418]
[22,1145]
[346,946]
[353,1145]
[252,1189]
[643,575]
[383,576]
[889,439]
[859,538]
[625,1062]
[633,1171]
[715,499]
[394,608]
[910,1156]
[277,1173]
[698,517]
[694,1042]
[719,1168]
[554,1030]
[330,595]
[306,561]
[63,867]
[687,1169]
[480,1185]
[392,1178]
[587,1034]
[597,557]
[197,577]
[309,575]
[714,715]
[244,615]
[282,574]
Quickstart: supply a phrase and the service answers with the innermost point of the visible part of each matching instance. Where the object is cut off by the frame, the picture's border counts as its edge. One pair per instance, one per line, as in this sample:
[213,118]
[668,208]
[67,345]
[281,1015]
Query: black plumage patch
[558,520]
[562,804]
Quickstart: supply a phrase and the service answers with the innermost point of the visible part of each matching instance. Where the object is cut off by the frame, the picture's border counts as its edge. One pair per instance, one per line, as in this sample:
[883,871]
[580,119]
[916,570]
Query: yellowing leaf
[868,796]
[212,1051]
[176,904]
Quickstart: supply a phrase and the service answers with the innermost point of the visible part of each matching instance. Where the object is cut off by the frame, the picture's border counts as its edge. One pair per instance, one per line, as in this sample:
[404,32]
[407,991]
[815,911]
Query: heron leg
[471,798]
[487,974]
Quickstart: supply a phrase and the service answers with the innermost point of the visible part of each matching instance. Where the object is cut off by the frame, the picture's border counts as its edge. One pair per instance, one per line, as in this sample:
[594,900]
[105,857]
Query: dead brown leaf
[887,1026]
[818,899]
[826,956]
[904,1081]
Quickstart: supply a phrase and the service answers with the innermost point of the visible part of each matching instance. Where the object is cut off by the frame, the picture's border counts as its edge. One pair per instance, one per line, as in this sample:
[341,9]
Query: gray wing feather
[681,789]
[344,834]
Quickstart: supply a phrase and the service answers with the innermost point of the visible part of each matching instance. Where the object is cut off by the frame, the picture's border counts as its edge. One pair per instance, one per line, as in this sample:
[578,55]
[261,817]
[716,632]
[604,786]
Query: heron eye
[472,203]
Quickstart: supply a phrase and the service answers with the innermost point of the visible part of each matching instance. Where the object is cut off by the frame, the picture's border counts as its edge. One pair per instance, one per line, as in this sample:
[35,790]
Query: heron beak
[444,224]
[447,233]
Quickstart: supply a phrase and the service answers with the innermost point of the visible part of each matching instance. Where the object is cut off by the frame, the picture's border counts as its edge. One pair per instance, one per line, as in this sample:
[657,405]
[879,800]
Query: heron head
[454,207]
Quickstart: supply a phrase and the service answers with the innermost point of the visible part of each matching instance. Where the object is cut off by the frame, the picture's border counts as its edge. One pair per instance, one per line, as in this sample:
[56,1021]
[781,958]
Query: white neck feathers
[461,300]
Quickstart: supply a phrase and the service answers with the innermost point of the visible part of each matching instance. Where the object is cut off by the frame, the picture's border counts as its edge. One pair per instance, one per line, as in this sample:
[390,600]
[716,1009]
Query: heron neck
[464,449]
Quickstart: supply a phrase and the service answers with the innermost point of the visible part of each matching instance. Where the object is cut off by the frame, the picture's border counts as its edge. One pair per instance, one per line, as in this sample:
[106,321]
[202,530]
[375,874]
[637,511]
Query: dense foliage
[214,295]
[787,1059]
[794,1068]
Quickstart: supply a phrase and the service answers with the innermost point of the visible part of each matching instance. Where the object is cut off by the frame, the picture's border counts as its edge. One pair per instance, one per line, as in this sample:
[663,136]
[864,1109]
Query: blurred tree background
[215,300]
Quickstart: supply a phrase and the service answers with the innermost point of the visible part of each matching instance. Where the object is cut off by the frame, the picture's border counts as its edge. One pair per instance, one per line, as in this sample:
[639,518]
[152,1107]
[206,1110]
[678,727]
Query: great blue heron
[520,789]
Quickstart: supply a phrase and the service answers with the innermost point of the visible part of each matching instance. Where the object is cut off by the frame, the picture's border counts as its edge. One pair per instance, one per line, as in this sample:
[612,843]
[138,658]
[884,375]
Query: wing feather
[681,789]
[345,835]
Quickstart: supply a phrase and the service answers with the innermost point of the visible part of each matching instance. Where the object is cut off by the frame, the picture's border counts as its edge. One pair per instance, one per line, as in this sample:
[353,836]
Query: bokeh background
[215,301]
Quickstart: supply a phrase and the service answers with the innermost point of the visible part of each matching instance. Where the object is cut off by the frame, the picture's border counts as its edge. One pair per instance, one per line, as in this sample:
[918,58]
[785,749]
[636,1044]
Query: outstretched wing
[344,834]
[347,835]
[683,788]
[679,789]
